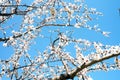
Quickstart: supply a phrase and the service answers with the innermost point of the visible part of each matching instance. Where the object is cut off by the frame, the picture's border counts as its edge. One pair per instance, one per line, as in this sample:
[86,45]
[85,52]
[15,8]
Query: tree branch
[85,65]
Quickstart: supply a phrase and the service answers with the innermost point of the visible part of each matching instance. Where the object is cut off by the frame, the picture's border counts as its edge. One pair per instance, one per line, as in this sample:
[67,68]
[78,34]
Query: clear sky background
[110,21]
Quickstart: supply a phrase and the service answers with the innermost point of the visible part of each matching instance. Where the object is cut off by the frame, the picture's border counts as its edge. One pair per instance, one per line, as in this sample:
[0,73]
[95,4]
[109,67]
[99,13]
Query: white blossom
[106,33]
[89,78]
[5,44]
[78,25]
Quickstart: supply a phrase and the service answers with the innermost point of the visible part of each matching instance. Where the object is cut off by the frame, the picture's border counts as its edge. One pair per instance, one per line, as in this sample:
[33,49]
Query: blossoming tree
[24,24]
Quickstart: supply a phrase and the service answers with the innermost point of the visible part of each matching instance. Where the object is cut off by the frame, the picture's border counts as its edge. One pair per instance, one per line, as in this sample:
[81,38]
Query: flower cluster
[64,54]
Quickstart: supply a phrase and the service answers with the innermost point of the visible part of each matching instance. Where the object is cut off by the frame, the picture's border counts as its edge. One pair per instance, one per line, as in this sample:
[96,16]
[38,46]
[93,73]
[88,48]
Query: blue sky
[110,21]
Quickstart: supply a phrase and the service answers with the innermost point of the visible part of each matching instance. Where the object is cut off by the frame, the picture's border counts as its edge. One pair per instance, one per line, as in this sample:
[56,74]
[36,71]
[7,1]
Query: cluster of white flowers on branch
[57,61]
